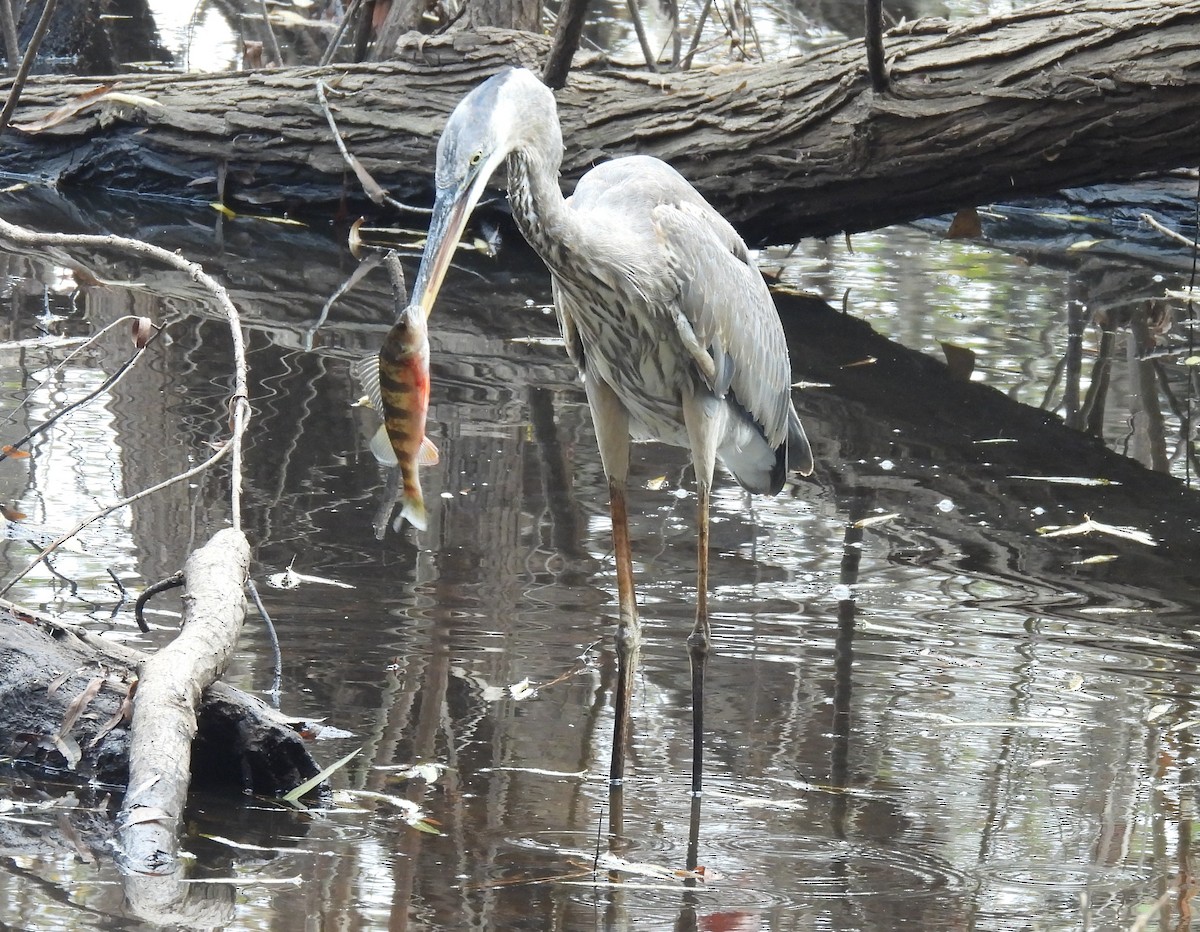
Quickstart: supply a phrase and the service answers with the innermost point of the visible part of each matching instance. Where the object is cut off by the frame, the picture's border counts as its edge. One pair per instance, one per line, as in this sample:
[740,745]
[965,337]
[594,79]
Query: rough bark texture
[241,741]
[979,110]
[168,696]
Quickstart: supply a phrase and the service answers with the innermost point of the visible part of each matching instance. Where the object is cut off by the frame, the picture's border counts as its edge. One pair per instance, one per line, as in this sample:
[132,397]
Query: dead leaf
[146,814]
[960,360]
[1098,527]
[965,225]
[123,714]
[1098,558]
[11,513]
[85,101]
[143,329]
[57,682]
[355,239]
[867,361]
[875,519]
[1069,480]
[80,703]
[68,747]
[14,452]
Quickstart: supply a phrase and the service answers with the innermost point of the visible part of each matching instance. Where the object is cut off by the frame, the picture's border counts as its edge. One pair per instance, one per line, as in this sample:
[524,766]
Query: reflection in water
[924,722]
[1103,366]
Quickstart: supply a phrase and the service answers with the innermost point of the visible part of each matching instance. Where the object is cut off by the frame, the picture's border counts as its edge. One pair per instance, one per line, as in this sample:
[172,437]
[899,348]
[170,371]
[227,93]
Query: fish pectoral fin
[381,448]
[428,454]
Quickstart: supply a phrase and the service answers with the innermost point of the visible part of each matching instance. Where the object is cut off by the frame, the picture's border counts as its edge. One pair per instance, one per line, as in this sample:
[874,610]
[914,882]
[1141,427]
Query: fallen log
[241,742]
[977,110]
[168,697]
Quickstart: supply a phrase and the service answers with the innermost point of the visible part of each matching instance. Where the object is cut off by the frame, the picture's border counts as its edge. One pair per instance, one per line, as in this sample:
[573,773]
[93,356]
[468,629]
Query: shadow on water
[924,713]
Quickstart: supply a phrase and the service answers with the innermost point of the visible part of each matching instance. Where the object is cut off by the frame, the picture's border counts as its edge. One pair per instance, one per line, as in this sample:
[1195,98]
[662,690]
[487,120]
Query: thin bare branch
[636,15]
[79,403]
[1166,231]
[373,189]
[18,84]
[239,401]
[8,27]
[272,42]
[347,19]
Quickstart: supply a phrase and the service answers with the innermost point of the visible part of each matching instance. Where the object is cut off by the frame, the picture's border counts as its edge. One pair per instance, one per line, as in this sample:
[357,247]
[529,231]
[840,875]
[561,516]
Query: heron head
[509,110]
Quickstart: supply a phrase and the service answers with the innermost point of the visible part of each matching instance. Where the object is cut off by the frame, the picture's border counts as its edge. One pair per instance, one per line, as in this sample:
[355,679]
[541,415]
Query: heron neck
[537,203]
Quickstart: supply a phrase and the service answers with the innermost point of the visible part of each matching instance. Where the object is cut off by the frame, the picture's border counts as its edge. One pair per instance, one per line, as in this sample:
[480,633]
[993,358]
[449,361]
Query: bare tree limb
[14,93]
[571,17]
[874,40]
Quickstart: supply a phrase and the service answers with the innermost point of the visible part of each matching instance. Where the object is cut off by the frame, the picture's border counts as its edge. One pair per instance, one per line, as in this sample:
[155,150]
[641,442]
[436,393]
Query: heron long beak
[451,210]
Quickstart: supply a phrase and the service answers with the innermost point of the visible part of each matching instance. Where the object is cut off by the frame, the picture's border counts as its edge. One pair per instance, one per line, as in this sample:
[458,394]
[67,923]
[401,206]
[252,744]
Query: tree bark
[168,695]
[978,110]
[241,739]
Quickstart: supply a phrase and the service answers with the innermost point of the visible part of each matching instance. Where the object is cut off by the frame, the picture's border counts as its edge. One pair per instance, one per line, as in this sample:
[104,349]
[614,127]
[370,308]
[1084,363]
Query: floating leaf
[429,772]
[657,483]
[311,784]
[518,691]
[876,519]
[14,452]
[11,513]
[290,579]
[410,812]
[868,361]
[1068,480]
[1098,558]
[523,690]
[321,580]
[1097,527]
[1158,711]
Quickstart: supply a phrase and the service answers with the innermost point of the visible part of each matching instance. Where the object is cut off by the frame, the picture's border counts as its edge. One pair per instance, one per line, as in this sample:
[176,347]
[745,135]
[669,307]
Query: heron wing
[721,295]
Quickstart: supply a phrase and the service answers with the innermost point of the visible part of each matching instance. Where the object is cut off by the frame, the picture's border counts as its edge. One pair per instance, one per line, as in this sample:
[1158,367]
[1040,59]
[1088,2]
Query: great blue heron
[661,308]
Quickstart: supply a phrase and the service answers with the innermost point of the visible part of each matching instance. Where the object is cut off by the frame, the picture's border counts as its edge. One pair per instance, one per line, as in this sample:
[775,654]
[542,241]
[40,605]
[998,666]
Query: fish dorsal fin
[366,371]
[428,454]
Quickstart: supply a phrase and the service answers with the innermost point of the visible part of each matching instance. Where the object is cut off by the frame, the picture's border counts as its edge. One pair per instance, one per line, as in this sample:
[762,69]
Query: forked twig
[374,190]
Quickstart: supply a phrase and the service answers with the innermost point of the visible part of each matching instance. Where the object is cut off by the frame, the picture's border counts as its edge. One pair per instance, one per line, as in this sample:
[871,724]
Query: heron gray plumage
[661,308]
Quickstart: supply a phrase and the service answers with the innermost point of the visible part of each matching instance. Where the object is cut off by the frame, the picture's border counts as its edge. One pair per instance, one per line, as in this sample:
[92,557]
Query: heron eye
[476,157]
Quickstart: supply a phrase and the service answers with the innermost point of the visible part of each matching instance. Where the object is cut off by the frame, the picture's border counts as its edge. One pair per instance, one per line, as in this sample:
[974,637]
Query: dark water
[938,721]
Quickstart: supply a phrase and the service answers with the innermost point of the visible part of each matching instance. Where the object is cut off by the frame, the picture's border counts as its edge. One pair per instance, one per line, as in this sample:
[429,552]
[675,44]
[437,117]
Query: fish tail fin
[413,510]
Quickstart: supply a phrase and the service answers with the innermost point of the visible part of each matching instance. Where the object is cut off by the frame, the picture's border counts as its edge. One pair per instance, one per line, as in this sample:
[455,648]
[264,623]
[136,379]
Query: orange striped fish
[397,385]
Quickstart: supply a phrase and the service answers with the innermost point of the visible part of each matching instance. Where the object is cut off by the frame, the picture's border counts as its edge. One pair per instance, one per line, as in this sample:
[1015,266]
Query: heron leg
[612,435]
[629,631]
[699,642]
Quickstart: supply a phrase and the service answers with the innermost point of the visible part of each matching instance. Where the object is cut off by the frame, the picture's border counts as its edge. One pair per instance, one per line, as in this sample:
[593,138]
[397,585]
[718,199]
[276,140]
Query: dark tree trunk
[977,111]
[96,36]
[525,15]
